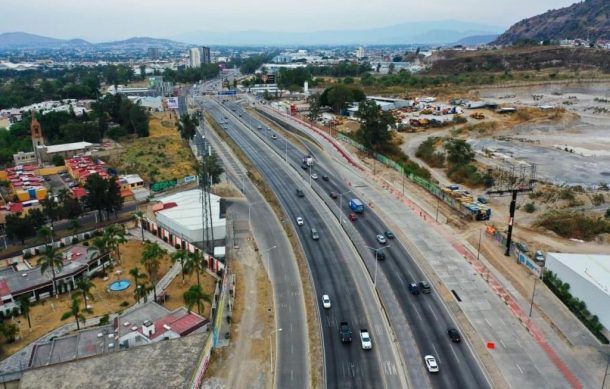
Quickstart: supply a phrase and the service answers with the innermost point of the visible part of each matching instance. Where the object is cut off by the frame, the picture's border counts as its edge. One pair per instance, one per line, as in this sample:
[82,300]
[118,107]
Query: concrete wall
[598,302]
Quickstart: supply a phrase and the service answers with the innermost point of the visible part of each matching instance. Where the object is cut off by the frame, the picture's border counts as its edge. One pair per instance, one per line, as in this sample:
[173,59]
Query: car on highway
[314,234]
[300,221]
[454,335]
[326,301]
[353,217]
[314,176]
[413,288]
[365,339]
[300,193]
[380,255]
[325,177]
[334,195]
[425,287]
[345,332]
[389,234]
[260,127]
[381,239]
[274,137]
[431,364]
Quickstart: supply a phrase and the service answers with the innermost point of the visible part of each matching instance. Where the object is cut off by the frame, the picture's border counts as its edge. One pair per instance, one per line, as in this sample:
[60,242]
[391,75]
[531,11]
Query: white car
[365,340]
[431,364]
[381,239]
[314,176]
[299,221]
[326,301]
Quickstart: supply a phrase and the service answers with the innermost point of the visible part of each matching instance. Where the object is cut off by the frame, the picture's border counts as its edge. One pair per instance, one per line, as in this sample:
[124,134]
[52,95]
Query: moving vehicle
[380,255]
[260,127]
[325,177]
[274,137]
[381,239]
[425,287]
[299,221]
[431,364]
[389,234]
[356,205]
[413,288]
[345,332]
[326,301]
[314,234]
[300,193]
[353,217]
[365,339]
[334,195]
[454,335]
[314,176]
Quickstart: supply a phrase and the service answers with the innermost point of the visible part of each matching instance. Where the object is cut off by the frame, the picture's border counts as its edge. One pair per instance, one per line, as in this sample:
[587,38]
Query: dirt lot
[159,157]
[177,287]
[45,315]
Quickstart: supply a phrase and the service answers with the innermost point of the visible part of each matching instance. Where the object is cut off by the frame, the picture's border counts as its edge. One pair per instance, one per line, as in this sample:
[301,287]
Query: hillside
[23,40]
[589,19]
[517,59]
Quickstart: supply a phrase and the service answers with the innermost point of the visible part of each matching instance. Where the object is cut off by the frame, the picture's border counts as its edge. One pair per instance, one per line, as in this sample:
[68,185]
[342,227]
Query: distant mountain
[22,40]
[433,32]
[477,40]
[587,19]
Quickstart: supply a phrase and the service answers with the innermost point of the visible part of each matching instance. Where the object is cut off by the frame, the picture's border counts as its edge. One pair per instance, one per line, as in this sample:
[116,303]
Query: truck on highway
[345,332]
[307,161]
[356,205]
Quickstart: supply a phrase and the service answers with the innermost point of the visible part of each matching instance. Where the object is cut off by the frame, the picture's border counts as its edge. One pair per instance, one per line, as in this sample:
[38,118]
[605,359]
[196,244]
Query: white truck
[365,339]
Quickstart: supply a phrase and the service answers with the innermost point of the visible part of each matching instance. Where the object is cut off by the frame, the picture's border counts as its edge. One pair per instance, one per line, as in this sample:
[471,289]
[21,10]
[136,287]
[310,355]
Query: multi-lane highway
[335,270]
[427,317]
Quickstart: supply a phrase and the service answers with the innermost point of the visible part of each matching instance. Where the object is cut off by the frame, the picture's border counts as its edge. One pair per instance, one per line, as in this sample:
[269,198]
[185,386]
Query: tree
[151,259]
[9,331]
[391,68]
[181,256]
[195,296]
[338,97]
[459,152]
[24,306]
[52,259]
[84,284]
[314,107]
[19,227]
[100,244]
[211,165]
[188,126]
[374,126]
[50,208]
[46,233]
[75,312]
[103,194]
[137,276]
[115,237]
[74,226]
[58,160]
[195,262]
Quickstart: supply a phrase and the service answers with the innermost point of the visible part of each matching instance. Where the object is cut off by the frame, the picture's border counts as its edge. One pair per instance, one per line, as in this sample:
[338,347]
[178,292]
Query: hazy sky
[99,20]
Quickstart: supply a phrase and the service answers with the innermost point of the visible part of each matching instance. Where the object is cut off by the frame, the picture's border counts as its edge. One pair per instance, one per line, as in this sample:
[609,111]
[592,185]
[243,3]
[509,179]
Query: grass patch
[159,157]
[574,225]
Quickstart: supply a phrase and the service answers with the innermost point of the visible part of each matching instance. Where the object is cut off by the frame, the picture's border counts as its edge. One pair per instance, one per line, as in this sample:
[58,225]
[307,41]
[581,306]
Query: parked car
[454,335]
[522,247]
[413,288]
[431,364]
[326,301]
[539,256]
[299,221]
[381,239]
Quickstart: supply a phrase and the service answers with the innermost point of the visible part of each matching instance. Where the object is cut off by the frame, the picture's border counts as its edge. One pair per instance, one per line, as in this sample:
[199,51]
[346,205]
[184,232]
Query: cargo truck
[356,205]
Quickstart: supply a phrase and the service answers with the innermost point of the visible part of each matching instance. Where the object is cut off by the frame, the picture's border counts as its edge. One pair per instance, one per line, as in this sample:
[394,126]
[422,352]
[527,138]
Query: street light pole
[341,205]
[286,155]
[533,293]
[271,356]
[479,248]
[376,250]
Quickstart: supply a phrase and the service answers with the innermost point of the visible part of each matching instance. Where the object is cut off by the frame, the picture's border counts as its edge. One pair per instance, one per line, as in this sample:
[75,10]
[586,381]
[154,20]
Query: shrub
[574,224]
[177,246]
[598,199]
[85,244]
[74,240]
[607,213]
[529,208]
[27,255]
[36,251]
[124,304]
[104,320]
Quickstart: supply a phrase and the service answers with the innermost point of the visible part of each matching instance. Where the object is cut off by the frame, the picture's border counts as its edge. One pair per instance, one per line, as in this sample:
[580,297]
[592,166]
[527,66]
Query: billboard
[172,102]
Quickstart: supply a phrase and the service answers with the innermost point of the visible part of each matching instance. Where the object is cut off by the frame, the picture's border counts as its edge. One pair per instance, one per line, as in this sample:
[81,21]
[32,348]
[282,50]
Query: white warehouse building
[589,279]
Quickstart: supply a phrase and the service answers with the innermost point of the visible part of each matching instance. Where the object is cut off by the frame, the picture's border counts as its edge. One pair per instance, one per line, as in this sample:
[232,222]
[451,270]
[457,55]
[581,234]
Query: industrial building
[589,279]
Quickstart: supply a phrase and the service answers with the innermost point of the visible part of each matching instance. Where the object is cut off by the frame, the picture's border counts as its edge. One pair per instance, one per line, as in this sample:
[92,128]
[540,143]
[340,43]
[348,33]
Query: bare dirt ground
[245,362]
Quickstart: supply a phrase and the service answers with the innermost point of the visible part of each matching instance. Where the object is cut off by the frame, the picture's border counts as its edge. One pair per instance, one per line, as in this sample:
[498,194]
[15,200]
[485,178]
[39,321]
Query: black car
[380,255]
[413,288]
[334,195]
[324,177]
[345,332]
[425,287]
[454,335]
[300,193]
[389,234]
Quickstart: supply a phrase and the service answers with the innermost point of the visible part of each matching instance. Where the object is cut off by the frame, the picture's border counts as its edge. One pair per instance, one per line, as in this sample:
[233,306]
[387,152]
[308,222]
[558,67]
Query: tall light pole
[286,140]
[376,250]
[269,259]
[272,365]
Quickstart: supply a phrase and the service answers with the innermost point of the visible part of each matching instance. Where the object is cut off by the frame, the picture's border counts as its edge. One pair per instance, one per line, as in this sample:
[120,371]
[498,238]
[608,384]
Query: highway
[426,315]
[332,263]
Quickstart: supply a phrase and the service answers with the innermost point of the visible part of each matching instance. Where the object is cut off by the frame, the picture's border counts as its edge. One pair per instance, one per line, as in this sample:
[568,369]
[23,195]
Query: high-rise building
[205,55]
[360,53]
[194,57]
[154,52]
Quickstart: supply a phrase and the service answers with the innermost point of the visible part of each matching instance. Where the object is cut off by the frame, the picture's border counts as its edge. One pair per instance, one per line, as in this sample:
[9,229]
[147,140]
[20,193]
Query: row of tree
[192,75]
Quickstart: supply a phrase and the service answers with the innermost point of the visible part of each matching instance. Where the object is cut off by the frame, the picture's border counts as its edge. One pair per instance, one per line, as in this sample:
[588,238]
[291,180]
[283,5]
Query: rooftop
[592,267]
[66,147]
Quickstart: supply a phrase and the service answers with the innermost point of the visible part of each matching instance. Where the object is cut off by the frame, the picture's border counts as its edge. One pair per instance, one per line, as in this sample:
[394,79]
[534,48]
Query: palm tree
[182,257]
[194,262]
[51,258]
[24,306]
[195,296]
[141,292]
[135,273]
[74,226]
[63,194]
[151,259]
[75,312]
[85,285]
[140,216]
[46,233]
[115,236]
[100,244]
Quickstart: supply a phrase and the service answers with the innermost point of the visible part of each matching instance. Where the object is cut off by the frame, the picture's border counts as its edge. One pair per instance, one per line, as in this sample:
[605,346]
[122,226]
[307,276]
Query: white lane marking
[519,367]
[488,323]
[502,343]
[459,361]
[436,353]
[418,315]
